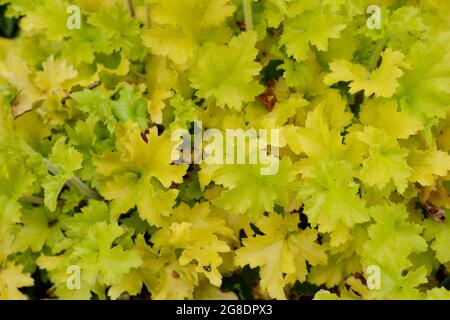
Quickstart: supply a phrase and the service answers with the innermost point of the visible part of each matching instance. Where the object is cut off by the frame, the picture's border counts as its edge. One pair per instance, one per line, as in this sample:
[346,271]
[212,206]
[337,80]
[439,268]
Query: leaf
[386,161]
[122,30]
[392,238]
[208,292]
[185,111]
[243,183]
[427,164]
[130,107]
[152,202]
[383,82]
[97,256]
[18,74]
[426,83]
[40,227]
[321,136]
[21,171]
[358,177]
[147,273]
[141,174]
[67,160]
[161,79]
[54,76]
[227,72]
[181,28]
[384,115]
[95,103]
[439,236]
[331,200]
[12,278]
[36,20]
[396,286]
[302,31]
[438,294]
[176,283]
[196,232]
[281,253]
[78,225]
[343,260]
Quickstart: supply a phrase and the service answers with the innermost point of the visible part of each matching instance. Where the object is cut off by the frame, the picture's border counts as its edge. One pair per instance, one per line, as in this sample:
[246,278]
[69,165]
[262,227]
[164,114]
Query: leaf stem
[248,14]
[373,62]
[131,7]
[94,85]
[37,200]
[32,199]
[80,185]
[76,182]
[147,16]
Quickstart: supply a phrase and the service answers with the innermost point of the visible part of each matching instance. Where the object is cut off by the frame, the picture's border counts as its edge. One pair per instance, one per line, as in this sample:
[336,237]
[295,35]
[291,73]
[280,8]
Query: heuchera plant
[92,205]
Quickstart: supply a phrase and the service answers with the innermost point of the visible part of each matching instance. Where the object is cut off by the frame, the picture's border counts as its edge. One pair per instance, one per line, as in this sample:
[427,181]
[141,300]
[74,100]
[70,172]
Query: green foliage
[87,177]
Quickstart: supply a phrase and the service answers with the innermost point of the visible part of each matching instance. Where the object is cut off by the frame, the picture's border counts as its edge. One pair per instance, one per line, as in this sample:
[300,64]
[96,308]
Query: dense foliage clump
[358,208]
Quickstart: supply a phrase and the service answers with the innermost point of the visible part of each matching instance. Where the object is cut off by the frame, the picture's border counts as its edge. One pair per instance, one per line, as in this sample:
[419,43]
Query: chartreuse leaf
[67,160]
[320,138]
[185,111]
[243,183]
[427,165]
[360,179]
[20,172]
[18,74]
[281,253]
[387,161]
[331,200]
[350,7]
[398,286]
[439,236]
[438,294]
[302,31]
[37,20]
[54,76]
[393,287]
[140,174]
[57,267]
[12,278]
[130,107]
[385,115]
[33,87]
[84,43]
[101,260]
[383,82]
[208,292]
[147,273]
[181,27]
[78,225]
[40,227]
[95,103]
[227,73]
[343,260]
[392,238]
[425,84]
[162,275]
[122,30]
[98,257]
[197,233]
[161,79]
[176,282]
